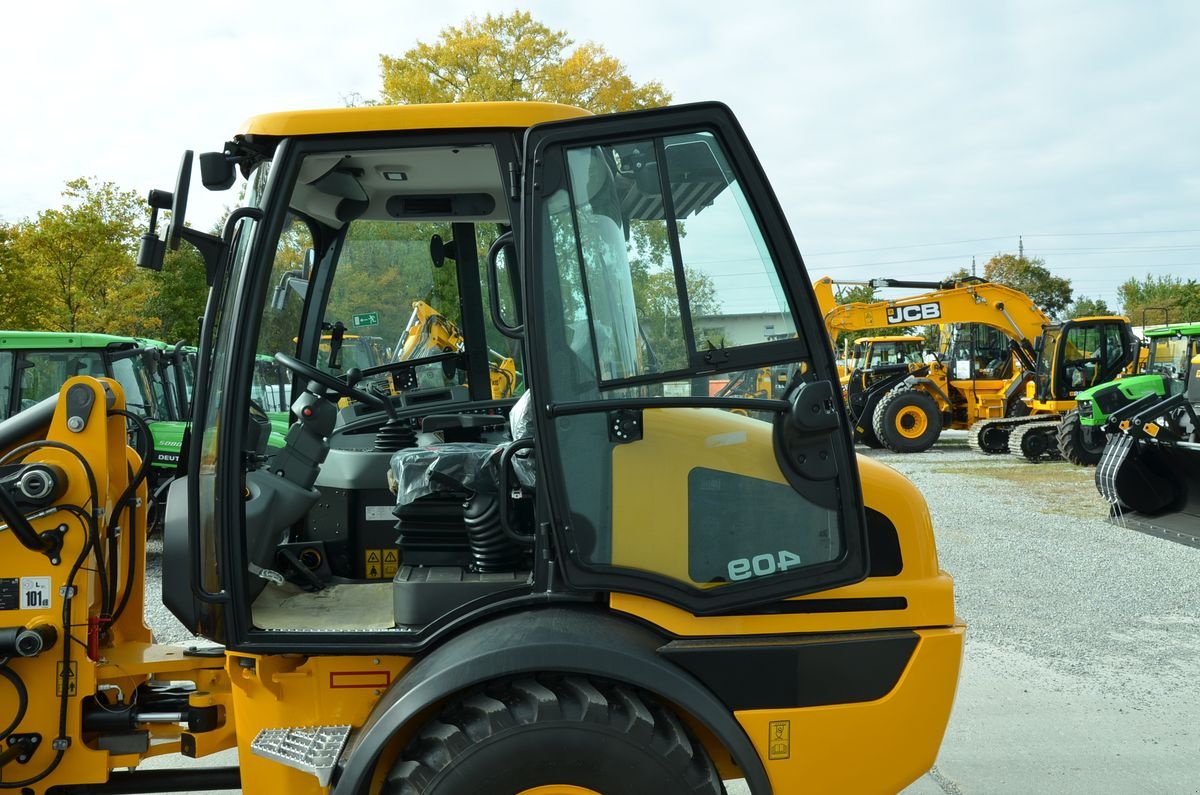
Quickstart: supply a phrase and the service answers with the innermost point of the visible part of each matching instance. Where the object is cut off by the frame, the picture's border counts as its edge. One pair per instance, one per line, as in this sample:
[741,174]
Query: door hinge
[514,181]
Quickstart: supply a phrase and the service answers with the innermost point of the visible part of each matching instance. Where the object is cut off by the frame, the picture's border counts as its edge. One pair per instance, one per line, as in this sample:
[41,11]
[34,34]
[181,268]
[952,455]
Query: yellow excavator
[429,333]
[1004,371]
[598,586]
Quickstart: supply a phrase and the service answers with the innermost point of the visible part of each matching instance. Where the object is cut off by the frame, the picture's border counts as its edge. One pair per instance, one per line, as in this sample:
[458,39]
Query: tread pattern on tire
[1071,445]
[879,421]
[510,704]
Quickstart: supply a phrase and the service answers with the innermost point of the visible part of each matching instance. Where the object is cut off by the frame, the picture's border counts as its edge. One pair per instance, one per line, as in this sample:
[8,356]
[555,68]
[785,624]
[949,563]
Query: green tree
[1156,298]
[516,58]
[82,257]
[21,299]
[513,57]
[1032,277]
[1089,307]
[179,294]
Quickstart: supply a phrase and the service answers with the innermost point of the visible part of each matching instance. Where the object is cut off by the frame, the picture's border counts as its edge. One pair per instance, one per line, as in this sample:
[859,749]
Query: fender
[580,641]
[933,387]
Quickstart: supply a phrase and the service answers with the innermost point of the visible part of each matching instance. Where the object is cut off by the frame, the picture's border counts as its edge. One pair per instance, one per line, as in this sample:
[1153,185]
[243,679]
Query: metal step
[313,749]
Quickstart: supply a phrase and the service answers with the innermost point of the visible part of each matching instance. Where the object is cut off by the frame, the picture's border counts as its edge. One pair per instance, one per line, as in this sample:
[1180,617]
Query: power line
[1002,237]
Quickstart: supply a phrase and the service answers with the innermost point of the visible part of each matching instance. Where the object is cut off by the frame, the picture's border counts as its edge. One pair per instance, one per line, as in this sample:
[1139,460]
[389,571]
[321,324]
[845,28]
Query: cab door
[659,268]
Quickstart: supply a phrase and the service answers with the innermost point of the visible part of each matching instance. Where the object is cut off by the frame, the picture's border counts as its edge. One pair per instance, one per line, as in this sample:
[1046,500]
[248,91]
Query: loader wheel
[907,421]
[1079,444]
[554,734]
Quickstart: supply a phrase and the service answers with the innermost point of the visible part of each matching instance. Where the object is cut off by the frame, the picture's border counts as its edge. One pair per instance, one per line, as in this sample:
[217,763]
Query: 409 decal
[762,565]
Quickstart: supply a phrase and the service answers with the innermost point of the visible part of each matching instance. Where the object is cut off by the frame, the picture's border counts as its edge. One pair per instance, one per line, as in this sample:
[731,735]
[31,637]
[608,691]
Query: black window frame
[543,174]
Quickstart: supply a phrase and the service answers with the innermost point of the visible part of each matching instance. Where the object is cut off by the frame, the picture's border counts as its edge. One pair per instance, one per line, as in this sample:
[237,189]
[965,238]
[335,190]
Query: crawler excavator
[596,586]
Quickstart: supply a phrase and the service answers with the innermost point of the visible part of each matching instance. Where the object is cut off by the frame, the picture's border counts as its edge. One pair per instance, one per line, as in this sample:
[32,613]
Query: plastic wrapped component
[451,467]
[520,417]
[520,422]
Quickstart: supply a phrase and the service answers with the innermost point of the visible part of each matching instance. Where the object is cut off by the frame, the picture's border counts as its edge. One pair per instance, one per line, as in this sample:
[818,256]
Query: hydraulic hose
[22,699]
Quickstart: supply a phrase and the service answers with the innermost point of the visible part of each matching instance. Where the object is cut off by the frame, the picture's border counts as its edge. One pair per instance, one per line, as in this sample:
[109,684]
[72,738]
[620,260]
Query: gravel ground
[1083,639]
[1082,666]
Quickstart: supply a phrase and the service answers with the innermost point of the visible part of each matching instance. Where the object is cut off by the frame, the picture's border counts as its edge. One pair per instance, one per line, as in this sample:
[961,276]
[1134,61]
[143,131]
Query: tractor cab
[1167,365]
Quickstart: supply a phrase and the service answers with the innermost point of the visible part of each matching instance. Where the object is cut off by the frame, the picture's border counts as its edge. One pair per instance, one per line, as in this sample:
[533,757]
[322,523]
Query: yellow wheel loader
[600,585]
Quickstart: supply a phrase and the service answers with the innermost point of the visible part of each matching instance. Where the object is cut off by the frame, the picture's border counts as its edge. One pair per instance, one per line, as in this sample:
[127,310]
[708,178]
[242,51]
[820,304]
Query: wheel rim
[559,789]
[911,422]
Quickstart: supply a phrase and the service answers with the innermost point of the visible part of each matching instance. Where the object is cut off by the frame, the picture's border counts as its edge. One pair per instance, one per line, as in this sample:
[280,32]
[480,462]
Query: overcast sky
[903,138]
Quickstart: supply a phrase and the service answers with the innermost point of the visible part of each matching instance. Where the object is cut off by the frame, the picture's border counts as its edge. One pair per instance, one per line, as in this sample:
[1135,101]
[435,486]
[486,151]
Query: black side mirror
[217,171]
[179,201]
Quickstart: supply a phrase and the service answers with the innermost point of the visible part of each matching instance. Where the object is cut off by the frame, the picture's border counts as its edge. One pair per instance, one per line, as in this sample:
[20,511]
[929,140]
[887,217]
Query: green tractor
[1150,470]
[1084,430]
[35,364]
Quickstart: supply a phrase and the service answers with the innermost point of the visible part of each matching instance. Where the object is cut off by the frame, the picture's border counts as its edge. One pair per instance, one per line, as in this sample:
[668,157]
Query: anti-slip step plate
[313,749]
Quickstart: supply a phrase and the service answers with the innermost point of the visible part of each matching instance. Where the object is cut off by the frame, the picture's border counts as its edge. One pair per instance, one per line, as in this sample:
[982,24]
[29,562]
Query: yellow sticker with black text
[391,562]
[373,564]
[780,746]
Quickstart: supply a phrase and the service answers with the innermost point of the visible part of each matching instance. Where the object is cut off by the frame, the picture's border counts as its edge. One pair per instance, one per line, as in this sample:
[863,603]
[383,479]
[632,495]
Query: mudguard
[580,641]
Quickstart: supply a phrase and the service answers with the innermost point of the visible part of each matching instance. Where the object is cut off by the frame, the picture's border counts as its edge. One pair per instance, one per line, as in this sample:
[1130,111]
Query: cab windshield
[401,274]
[1169,356]
[143,389]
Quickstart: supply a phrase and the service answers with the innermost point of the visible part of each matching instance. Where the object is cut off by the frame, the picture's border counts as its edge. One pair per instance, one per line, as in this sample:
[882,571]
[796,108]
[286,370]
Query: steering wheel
[449,367]
[333,383]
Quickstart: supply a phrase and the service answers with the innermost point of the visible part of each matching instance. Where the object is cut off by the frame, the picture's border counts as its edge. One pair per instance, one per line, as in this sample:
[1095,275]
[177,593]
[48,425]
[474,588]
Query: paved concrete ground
[1082,667]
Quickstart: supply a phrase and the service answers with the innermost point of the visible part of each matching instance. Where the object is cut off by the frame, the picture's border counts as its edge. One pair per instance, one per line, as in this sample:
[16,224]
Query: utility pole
[1020,247]
[972,264]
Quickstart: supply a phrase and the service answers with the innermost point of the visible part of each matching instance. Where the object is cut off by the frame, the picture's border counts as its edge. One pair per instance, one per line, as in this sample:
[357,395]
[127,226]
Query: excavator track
[1035,441]
[991,436]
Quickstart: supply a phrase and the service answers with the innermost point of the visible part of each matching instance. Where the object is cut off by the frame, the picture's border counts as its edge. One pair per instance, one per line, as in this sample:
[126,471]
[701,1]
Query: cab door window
[662,282]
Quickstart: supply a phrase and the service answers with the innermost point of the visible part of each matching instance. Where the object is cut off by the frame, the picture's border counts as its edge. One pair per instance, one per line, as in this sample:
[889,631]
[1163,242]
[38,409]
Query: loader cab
[1081,353]
[583,251]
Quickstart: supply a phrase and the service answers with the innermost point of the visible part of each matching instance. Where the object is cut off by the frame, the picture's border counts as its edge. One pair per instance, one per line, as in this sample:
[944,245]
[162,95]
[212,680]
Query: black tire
[867,436]
[520,734]
[1080,445]
[907,421]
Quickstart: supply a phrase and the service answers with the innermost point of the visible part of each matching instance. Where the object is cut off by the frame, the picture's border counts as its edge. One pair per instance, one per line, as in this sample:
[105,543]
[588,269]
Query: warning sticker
[373,563]
[780,744]
[35,593]
[72,680]
[391,562]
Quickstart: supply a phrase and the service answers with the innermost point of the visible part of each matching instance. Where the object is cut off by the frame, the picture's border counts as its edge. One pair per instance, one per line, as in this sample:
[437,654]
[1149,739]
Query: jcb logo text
[912,314]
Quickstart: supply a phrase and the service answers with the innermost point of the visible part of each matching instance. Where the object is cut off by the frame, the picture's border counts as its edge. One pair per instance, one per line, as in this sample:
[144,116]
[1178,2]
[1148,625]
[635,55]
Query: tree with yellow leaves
[514,57]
